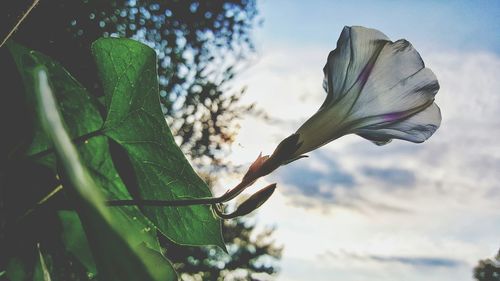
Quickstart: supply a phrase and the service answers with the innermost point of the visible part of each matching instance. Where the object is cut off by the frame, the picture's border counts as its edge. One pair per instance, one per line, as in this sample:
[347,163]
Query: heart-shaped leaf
[117,257]
[82,117]
[135,121]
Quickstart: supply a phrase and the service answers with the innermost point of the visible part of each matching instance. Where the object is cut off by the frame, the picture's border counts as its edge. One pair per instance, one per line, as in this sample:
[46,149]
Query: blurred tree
[200,45]
[488,269]
[251,255]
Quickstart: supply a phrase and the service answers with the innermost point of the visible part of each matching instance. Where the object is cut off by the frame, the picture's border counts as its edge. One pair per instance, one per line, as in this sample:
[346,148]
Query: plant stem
[41,202]
[183,202]
[76,141]
[165,203]
[30,8]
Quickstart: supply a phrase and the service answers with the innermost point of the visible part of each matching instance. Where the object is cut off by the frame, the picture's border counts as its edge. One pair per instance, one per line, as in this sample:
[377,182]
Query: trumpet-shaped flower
[376,88]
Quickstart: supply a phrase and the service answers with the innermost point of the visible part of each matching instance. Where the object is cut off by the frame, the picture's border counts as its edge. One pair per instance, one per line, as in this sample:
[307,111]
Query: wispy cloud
[418,261]
[463,155]
[396,177]
[427,207]
[316,179]
[323,183]
[415,261]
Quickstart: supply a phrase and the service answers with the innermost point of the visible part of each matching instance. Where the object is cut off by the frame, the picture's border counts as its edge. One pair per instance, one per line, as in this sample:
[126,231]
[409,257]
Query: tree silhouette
[251,255]
[200,46]
[488,269]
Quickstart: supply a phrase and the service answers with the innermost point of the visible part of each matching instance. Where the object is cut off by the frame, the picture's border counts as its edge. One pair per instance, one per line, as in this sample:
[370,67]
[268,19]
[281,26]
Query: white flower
[377,89]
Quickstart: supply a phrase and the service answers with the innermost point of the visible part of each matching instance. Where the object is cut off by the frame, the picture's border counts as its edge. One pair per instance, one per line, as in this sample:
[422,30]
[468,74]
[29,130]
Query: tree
[488,269]
[251,255]
[200,45]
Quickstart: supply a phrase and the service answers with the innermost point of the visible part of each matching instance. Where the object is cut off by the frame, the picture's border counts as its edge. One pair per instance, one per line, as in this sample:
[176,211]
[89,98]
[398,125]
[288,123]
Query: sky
[354,211]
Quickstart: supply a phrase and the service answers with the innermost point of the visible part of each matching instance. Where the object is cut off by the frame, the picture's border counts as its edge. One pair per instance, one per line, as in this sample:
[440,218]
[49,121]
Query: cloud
[463,157]
[308,179]
[323,183]
[417,211]
[414,261]
[309,184]
[393,176]
[418,261]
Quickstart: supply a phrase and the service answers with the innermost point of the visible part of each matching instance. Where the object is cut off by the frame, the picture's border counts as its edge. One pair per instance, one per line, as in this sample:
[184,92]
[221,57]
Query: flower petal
[397,82]
[417,128]
[356,47]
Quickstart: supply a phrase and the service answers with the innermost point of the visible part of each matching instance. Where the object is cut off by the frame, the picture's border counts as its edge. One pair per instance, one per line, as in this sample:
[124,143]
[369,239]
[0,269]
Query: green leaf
[82,117]
[72,98]
[41,271]
[16,269]
[135,121]
[75,241]
[116,256]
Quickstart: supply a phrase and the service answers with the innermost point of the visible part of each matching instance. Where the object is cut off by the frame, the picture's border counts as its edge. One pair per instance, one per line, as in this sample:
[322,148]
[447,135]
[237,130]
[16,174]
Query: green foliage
[201,46]
[252,255]
[75,241]
[135,121]
[82,117]
[122,240]
[115,252]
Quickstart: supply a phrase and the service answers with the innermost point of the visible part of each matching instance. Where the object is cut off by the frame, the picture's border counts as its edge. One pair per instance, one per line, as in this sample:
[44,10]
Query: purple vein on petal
[365,73]
[389,117]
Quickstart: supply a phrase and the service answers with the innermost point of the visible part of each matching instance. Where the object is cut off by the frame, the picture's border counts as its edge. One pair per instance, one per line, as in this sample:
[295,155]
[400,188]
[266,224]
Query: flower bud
[253,202]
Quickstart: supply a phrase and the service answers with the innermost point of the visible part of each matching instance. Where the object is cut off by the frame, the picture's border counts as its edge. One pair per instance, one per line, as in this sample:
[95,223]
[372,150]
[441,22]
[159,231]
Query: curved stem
[183,202]
[218,211]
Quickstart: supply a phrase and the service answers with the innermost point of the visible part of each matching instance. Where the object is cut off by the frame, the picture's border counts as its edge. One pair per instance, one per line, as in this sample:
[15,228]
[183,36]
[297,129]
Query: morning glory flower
[377,89]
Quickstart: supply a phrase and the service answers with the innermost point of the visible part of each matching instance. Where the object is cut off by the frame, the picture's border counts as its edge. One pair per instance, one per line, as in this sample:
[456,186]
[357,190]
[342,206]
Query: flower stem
[182,202]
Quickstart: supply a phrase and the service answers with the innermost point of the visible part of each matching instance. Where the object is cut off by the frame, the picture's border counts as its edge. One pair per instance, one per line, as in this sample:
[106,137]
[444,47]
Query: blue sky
[353,211]
[469,25]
